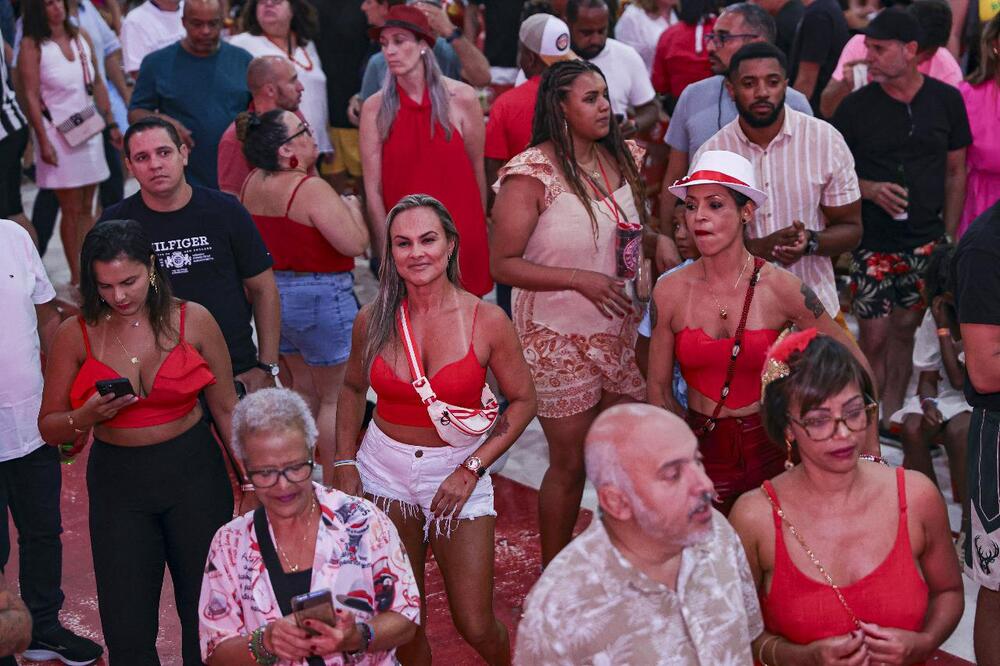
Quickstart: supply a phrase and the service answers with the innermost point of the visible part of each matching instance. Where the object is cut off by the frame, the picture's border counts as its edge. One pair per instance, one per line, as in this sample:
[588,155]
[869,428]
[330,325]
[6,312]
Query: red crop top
[179,380]
[704,361]
[298,247]
[459,383]
[804,610]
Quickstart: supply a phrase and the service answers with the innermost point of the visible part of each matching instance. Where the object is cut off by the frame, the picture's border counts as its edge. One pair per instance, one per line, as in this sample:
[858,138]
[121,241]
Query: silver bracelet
[342,463]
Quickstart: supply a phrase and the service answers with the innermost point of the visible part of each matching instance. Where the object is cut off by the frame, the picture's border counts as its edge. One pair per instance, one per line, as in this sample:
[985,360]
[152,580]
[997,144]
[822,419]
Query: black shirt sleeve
[816,37]
[249,251]
[977,275]
[961,134]
[843,119]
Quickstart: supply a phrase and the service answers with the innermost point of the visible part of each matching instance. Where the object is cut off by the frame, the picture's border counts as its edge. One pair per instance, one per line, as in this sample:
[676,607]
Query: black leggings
[150,506]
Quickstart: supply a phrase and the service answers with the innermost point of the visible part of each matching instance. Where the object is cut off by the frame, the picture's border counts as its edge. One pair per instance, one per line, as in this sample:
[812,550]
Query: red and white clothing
[807,165]
[358,557]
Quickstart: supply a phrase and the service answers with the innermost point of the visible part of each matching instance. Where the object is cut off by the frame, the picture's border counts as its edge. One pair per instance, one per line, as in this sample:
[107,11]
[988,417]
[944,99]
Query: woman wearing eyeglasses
[313,235]
[304,539]
[853,560]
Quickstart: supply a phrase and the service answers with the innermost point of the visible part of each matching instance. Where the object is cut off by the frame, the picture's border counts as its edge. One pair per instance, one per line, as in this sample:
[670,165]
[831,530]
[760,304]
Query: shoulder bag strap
[709,425]
[420,381]
[271,561]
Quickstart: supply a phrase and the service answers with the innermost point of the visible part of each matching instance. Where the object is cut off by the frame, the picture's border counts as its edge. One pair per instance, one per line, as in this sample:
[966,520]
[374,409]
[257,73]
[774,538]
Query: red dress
[414,162]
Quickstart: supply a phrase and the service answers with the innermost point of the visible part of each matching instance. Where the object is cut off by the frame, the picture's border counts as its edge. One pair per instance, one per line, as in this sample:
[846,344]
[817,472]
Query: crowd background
[299,99]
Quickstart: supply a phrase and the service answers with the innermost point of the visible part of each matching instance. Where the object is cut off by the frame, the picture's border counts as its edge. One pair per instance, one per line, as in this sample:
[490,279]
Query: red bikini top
[295,246]
[804,610]
[704,361]
[459,383]
[174,393]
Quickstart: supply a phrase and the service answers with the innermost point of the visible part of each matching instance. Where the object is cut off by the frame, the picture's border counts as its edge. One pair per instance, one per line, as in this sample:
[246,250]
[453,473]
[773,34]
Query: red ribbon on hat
[795,342]
[716,176]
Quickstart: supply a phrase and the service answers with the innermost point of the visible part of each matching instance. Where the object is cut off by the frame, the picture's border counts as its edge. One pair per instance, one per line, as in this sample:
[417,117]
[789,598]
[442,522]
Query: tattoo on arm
[500,429]
[653,313]
[812,301]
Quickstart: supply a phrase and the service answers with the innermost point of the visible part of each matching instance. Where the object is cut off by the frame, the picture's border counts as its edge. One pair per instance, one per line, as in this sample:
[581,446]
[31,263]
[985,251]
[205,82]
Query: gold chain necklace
[132,358]
[294,568]
[723,313]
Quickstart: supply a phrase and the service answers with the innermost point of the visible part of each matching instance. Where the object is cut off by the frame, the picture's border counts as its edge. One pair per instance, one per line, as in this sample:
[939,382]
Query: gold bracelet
[774,651]
[760,650]
[72,424]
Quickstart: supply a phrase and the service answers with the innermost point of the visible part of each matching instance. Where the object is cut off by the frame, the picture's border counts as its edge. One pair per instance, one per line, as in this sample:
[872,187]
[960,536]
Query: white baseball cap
[547,36]
[721,167]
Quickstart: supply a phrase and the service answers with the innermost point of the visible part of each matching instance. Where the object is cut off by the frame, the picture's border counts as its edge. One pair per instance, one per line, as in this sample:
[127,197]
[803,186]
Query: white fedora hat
[721,167]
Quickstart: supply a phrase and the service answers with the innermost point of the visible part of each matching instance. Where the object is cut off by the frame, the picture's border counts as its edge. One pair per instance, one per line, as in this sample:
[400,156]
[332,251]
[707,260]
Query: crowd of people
[723,252]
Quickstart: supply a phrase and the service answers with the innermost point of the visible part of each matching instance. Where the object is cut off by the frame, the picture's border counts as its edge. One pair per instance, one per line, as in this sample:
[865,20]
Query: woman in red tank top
[717,317]
[313,235]
[881,536]
[156,479]
[433,491]
[423,133]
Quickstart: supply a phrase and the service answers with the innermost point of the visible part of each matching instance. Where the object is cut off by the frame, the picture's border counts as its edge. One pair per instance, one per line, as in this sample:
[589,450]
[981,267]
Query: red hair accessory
[776,366]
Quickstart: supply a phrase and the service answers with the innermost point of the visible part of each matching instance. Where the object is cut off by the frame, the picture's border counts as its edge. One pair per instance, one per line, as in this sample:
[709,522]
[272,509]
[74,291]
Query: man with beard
[813,208]
[631,94]
[656,545]
[706,107]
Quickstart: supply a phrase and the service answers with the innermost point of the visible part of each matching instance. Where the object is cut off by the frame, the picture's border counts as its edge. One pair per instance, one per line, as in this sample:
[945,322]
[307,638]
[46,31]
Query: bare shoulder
[751,515]
[69,338]
[492,319]
[674,282]
[361,319]
[197,318]
[460,91]
[370,105]
[922,494]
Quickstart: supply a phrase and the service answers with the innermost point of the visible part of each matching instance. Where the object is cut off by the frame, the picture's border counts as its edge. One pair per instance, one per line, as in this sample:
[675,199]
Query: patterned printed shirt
[592,607]
[807,165]
[358,557]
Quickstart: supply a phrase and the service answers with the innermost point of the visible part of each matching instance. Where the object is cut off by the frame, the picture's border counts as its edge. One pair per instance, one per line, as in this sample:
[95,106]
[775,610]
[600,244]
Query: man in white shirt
[30,476]
[149,27]
[629,89]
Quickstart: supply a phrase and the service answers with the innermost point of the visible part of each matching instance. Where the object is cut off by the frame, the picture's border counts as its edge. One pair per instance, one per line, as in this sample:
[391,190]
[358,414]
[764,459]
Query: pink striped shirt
[807,165]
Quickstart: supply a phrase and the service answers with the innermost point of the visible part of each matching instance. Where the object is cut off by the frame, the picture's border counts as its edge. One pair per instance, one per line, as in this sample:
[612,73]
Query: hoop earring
[788,447]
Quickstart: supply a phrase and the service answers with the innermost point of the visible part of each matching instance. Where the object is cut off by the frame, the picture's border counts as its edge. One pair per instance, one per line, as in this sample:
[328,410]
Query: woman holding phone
[132,367]
[337,553]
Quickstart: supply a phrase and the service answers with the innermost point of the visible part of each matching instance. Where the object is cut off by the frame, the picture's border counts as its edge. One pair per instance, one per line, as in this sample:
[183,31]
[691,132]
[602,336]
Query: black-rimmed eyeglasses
[305,130]
[720,38]
[297,473]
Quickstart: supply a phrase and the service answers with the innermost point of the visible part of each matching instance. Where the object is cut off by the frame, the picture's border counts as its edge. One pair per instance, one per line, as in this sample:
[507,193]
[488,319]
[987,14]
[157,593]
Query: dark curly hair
[305,20]
[822,370]
[262,135]
[124,239]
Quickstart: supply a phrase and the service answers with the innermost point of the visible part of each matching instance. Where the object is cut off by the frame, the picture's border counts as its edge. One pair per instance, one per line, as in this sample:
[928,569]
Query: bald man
[273,84]
[659,576]
[198,85]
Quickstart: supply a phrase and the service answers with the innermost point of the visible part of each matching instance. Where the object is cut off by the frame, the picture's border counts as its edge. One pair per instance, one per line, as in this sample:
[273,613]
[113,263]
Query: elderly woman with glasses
[303,539]
[853,561]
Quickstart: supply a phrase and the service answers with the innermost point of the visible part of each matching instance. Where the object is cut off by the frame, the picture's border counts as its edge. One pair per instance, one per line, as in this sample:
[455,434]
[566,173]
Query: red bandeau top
[180,378]
[704,361]
[459,383]
[802,609]
[295,246]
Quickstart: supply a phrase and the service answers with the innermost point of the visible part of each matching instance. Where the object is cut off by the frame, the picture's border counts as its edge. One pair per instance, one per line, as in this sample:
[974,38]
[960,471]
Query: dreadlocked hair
[550,124]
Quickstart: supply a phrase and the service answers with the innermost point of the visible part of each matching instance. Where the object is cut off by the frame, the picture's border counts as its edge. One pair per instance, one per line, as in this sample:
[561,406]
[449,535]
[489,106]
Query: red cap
[408,18]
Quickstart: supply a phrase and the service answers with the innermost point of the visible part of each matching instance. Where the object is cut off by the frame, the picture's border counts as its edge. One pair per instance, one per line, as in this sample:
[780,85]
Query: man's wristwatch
[474,465]
[270,368]
[455,34]
[812,242]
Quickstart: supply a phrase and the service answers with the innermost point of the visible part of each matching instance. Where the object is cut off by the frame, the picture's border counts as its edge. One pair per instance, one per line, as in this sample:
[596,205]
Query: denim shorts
[317,315]
[411,475]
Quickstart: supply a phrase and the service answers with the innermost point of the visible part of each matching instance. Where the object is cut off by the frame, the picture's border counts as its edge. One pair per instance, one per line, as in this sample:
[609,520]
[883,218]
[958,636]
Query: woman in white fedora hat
[717,317]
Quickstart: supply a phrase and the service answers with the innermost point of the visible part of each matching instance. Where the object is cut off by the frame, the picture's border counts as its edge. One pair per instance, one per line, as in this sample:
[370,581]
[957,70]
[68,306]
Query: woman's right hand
[48,152]
[286,639]
[607,294]
[347,480]
[846,650]
[100,408]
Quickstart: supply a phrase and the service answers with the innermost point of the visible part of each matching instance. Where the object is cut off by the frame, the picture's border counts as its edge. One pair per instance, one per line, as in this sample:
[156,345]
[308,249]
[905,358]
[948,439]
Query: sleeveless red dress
[414,162]
[803,610]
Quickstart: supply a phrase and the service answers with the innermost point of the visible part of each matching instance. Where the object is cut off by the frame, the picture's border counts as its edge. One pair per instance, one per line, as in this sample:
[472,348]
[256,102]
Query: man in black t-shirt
[787,16]
[976,269]
[820,38]
[908,134]
[209,246]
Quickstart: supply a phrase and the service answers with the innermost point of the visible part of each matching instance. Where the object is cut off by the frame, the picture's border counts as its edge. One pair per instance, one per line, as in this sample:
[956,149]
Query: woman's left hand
[341,637]
[116,138]
[453,493]
[887,645]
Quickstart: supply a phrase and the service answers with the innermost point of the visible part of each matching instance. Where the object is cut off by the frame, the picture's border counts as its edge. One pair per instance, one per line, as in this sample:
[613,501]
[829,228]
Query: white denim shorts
[411,475]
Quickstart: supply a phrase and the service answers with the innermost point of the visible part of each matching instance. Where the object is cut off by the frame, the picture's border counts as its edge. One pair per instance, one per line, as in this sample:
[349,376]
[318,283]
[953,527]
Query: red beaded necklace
[290,52]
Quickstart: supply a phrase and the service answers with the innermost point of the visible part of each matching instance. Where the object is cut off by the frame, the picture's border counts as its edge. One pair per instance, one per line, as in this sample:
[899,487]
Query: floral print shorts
[881,281]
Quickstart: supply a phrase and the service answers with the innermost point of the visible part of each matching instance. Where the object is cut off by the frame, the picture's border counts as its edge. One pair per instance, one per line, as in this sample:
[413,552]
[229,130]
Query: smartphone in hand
[119,386]
[313,606]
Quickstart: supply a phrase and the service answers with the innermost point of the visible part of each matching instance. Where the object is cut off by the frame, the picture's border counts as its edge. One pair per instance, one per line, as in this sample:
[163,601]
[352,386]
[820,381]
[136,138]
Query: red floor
[517,567]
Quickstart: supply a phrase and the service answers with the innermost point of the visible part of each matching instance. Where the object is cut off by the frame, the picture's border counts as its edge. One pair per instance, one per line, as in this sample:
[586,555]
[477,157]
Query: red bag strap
[709,425]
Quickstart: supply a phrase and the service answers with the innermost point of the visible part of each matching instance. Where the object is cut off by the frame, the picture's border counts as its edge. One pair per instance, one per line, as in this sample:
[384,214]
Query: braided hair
[550,125]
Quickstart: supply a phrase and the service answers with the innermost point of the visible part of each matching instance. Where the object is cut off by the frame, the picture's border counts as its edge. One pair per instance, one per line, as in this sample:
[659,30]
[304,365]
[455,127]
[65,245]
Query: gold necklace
[594,173]
[723,313]
[135,324]
[292,567]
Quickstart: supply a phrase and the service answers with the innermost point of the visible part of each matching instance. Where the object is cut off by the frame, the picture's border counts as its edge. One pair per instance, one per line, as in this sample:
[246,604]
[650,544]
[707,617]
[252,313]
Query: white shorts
[392,471]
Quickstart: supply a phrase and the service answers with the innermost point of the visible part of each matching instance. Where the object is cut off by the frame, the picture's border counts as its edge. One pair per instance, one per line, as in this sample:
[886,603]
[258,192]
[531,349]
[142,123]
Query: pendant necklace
[293,567]
[723,313]
[135,324]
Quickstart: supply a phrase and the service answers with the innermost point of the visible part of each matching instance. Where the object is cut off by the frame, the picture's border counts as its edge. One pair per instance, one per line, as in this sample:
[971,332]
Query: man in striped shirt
[813,208]
[13,140]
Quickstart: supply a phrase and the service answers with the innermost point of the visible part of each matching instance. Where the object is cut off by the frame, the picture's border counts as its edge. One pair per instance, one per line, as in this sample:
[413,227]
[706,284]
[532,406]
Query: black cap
[894,23]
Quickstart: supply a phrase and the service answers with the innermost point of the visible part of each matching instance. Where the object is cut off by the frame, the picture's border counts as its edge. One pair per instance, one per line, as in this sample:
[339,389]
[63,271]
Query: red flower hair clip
[776,366]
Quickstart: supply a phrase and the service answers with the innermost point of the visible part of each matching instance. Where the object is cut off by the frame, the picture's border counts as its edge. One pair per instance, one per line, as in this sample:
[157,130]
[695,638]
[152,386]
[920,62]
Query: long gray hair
[436,88]
[391,289]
